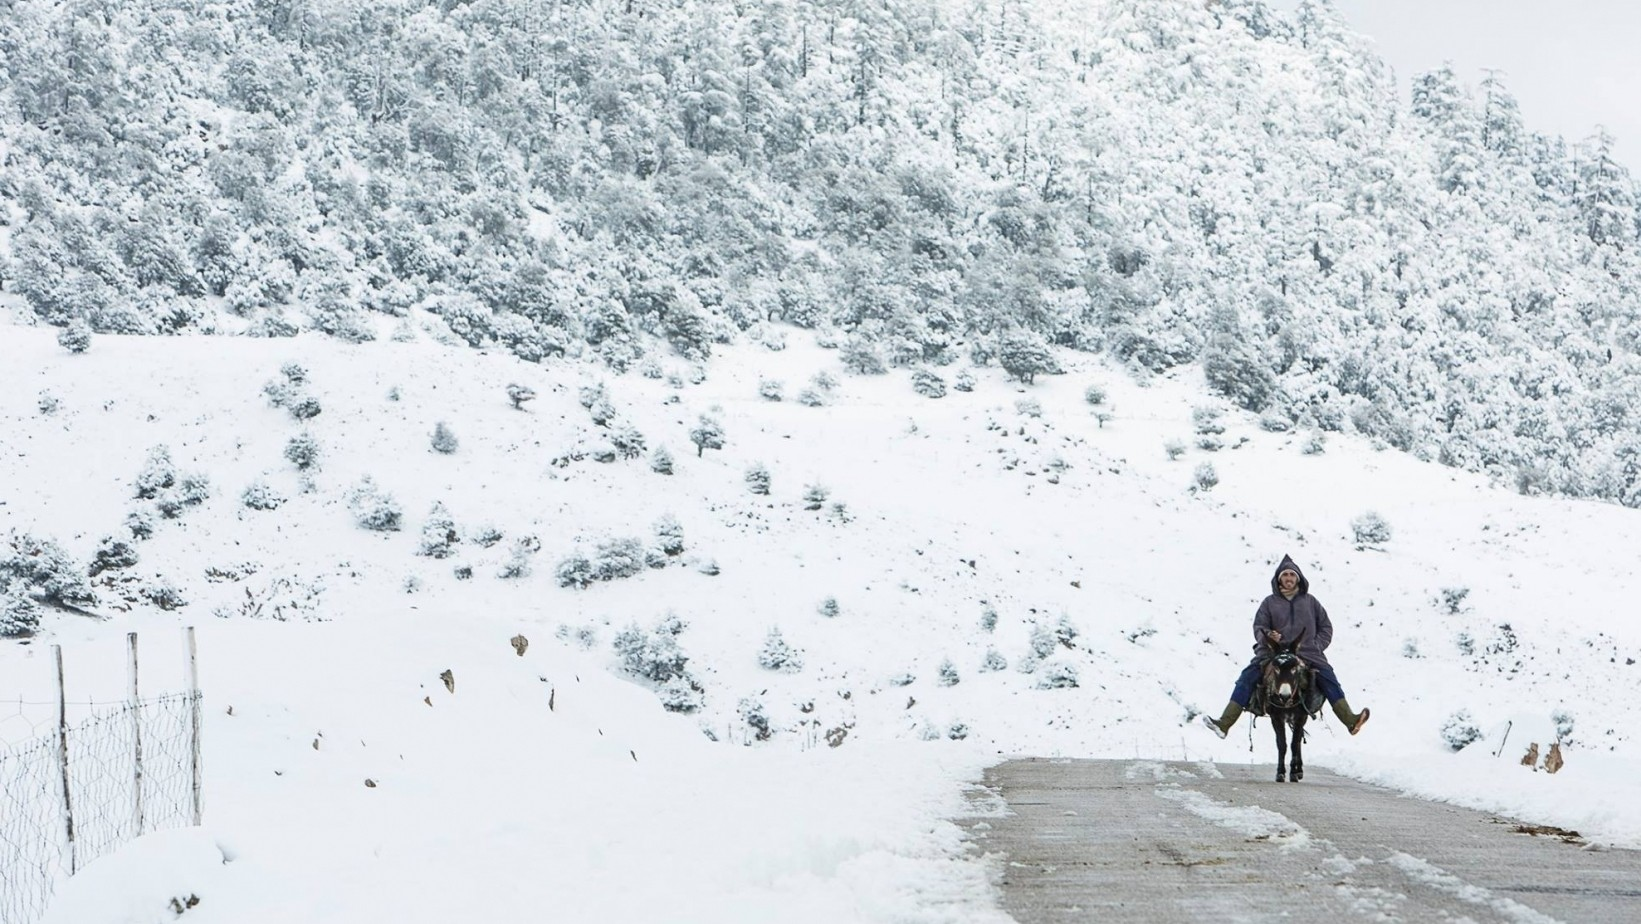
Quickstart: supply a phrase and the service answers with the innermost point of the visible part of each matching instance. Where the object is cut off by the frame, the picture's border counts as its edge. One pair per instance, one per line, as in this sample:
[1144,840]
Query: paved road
[1159,842]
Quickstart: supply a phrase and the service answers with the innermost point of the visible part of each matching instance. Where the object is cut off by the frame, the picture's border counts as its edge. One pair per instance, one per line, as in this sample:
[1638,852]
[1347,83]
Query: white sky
[1570,64]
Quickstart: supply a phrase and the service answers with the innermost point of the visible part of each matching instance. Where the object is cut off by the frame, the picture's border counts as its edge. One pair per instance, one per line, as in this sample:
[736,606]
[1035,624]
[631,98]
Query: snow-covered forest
[1167,180]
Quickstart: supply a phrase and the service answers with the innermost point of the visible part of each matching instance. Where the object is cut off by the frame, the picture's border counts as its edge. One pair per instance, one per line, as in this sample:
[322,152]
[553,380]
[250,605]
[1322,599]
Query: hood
[1287,563]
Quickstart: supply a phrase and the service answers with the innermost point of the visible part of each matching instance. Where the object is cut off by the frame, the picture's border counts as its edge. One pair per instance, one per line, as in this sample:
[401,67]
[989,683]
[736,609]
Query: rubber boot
[1222,725]
[1352,720]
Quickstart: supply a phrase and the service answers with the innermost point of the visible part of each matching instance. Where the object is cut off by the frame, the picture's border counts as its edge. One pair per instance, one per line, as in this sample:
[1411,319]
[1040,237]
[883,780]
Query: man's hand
[1273,635]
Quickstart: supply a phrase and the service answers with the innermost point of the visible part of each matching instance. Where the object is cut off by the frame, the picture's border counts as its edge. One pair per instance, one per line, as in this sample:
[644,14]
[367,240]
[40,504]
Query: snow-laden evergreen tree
[439,534]
[777,655]
[757,478]
[661,461]
[373,508]
[76,337]
[303,451]
[669,535]
[706,434]
[444,439]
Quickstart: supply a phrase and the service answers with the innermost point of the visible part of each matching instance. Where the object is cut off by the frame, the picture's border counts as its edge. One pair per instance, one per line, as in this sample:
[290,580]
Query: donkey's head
[1285,675]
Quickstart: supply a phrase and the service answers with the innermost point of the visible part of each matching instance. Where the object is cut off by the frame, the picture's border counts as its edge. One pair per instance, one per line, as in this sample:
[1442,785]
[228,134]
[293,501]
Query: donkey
[1287,696]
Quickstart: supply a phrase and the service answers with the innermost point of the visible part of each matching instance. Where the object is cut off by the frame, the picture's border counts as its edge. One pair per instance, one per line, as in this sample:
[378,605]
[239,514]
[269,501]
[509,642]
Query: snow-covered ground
[552,780]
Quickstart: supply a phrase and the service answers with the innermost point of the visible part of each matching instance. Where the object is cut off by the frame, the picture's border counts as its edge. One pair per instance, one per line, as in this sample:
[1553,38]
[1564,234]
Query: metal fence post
[194,722]
[62,754]
[136,733]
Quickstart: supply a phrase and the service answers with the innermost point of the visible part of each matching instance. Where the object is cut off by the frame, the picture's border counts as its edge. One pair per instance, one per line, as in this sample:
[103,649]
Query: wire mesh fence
[71,793]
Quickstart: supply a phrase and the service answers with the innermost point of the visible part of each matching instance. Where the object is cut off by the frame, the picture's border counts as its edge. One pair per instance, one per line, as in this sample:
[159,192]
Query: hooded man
[1289,612]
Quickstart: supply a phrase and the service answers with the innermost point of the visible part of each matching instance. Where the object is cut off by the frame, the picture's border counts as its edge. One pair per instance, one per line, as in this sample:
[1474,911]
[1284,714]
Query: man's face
[1287,580]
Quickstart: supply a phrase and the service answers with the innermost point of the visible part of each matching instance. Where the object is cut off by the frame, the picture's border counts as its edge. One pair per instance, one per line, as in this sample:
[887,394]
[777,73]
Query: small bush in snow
[486,536]
[1460,730]
[49,404]
[1564,725]
[771,389]
[1410,649]
[654,656]
[862,357]
[602,412]
[1314,445]
[809,397]
[669,535]
[958,731]
[141,524]
[1094,395]
[518,560]
[258,496]
[707,434]
[947,675]
[650,369]
[928,384]
[777,655]
[994,661]
[158,474]
[463,572]
[518,394]
[814,497]
[439,535]
[1272,422]
[661,461]
[681,694]
[112,555]
[964,381]
[751,711]
[306,407]
[76,337]
[393,394]
[163,594]
[825,381]
[19,614]
[294,373]
[1029,407]
[1370,529]
[444,439]
[575,571]
[618,558]
[1206,420]
[829,608]
[709,567]
[757,478]
[303,451]
[1452,599]
[1209,444]
[628,442]
[988,617]
[374,508]
[904,679]
[1057,675]
[1205,477]
[1174,448]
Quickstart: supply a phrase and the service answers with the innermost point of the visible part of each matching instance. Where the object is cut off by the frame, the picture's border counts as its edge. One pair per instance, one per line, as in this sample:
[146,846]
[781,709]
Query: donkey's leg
[1280,726]
[1296,770]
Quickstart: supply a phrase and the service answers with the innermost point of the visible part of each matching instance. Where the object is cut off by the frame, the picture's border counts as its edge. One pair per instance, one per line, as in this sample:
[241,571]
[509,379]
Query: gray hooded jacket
[1304,613]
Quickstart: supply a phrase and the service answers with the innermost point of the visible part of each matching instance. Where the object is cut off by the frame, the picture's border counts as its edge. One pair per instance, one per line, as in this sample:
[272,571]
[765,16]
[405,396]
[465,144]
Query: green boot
[1222,725]
[1353,720]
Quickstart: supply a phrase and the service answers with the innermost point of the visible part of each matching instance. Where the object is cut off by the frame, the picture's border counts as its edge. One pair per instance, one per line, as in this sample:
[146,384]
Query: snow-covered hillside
[557,777]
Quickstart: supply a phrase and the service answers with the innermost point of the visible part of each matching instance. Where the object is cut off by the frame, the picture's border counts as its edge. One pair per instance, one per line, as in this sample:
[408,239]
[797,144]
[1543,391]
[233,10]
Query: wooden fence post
[135,705]
[194,722]
[62,754]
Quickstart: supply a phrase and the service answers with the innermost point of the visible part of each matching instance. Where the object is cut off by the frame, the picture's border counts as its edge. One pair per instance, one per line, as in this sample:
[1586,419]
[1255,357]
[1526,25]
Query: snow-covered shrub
[757,478]
[988,617]
[1174,448]
[825,381]
[964,381]
[439,535]
[141,524]
[777,655]
[841,511]
[374,508]
[706,434]
[518,560]
[771,389]
[751,710]
[602,412]
[306,407]
[809,397]
[1025,355]
[655,655]
[1272,422]
[661,461]
[112,555]
[928,384]
[19,614]
[48,403]
[444,439]
[259,496]
[518,394]
[41,567]
[1564,725]
[1028,407]
[957,731]
[1057,675]
[628,442]
[1452,599]
[1460,730]
[1206,420]
[158,474]
[829,608]
[862,357]
[1205,477]
[681,694]
[618,558]
[193,489]
[994,661]
[575,571]
[649,368]
[76,337]
[903,679]
[163,594]
[294,373]
[303,451]
[1370,529]
[1209,444]
[669,535]
[947,674]
[1314,445]
[814,497]
[1094,395]
[486,535]
[1410,649]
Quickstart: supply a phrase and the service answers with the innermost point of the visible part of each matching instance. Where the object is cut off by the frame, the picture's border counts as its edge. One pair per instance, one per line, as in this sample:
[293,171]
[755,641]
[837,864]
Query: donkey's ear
[1294,645]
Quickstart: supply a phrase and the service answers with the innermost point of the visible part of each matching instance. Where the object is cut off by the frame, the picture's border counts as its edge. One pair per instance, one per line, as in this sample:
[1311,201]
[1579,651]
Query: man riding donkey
[1290,612]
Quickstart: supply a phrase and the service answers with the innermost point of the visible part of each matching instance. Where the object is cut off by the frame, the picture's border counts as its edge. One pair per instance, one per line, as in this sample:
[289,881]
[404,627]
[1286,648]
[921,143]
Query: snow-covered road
[1162,842]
